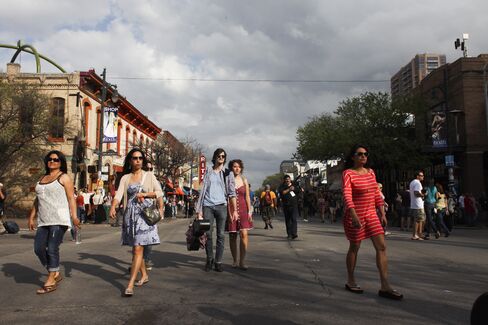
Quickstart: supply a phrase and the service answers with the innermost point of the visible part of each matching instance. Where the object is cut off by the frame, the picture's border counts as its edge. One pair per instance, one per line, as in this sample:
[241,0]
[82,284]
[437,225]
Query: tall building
[410,76]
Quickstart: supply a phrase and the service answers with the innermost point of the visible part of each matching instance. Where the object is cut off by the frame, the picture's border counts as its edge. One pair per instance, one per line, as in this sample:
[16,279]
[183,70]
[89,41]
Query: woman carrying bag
[137,190]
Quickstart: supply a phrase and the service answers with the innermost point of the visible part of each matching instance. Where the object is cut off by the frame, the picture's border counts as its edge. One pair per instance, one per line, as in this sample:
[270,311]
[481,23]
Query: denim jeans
[217,213]
[291,215]
[440,220]
[80,212]
[46,245]
[147,253]
[429,215]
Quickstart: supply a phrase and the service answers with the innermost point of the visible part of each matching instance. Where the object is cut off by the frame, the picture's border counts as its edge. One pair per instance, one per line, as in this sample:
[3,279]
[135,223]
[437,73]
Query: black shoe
[271,226]
[266,227]
[218,267]
[208,265]
[289,237]
[294,237]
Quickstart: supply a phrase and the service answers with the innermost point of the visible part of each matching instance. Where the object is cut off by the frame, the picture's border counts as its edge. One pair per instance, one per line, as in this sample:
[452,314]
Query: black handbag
[195,242]
[151,214]
[200,227]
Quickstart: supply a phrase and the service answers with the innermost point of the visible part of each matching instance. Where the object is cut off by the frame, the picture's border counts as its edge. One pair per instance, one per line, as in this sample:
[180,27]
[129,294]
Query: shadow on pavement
[22,274]
[242,319]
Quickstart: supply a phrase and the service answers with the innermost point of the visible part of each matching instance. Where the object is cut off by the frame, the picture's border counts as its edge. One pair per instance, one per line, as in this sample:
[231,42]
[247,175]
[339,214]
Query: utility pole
[100,137]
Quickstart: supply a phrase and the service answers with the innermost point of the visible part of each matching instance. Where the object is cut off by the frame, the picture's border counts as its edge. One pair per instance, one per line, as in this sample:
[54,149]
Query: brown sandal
[46,289]
[58,278]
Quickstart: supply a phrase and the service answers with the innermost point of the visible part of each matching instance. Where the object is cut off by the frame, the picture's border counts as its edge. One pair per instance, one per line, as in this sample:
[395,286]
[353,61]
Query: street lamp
[115,99]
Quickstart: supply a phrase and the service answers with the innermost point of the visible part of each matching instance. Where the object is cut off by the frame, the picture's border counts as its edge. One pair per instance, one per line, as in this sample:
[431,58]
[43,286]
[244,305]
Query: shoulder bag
[150,214]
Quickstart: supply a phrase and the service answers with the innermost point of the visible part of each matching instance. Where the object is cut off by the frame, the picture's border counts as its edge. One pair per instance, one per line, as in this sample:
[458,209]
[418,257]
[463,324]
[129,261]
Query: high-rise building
[412,74]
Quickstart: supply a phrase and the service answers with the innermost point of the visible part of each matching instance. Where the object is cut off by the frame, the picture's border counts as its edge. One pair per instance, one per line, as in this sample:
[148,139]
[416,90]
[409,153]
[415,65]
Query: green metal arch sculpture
[30,49]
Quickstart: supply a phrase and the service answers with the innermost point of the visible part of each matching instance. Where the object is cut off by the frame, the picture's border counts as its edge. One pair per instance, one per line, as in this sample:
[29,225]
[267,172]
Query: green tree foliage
[371,119]
[274,181]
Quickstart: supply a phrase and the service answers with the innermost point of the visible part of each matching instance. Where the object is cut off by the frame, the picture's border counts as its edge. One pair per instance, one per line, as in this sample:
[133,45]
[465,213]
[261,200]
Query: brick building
[454,122]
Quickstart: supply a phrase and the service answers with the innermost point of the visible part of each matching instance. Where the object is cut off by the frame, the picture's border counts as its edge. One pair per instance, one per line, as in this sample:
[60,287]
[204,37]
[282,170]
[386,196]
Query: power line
[250,80]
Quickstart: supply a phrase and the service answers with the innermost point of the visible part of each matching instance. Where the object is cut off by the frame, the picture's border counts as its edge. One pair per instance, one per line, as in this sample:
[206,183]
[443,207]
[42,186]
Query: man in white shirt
[417,205]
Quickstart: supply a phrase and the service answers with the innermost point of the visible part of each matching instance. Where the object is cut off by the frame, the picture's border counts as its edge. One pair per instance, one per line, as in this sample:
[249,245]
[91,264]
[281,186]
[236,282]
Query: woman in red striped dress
[361,198]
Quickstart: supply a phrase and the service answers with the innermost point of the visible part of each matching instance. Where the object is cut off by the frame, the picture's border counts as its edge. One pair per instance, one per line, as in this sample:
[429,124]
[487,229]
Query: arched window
[127,134]
[57,118]
[141,142]
[134,139]
[87,107]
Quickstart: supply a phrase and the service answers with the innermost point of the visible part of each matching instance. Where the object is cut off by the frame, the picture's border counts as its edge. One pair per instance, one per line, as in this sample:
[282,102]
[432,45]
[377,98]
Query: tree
[170,154]
[274,181]
[25,123]
[371,119]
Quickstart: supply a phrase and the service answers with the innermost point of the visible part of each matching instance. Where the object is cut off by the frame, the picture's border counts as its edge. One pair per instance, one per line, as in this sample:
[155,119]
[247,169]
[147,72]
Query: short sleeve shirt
[415,201]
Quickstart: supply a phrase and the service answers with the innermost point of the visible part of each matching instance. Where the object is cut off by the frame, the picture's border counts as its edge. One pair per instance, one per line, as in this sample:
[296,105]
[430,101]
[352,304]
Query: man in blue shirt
[218,188]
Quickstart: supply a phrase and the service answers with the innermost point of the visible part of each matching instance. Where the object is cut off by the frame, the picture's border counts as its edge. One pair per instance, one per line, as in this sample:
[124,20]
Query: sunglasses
[221,156]
[137,158]
[359,154]
[421,175]
[53,160]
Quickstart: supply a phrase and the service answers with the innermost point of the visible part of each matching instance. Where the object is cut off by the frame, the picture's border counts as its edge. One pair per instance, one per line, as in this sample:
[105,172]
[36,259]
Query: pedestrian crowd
[227,202]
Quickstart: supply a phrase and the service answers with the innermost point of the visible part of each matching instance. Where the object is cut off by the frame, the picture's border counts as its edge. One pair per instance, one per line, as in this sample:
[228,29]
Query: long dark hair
[217,152]
[62,159]
[349,159]
[127,166]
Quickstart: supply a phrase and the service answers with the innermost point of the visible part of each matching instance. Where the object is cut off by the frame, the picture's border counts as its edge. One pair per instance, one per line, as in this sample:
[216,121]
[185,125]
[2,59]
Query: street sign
[449,160]
[202,168]
[110,153]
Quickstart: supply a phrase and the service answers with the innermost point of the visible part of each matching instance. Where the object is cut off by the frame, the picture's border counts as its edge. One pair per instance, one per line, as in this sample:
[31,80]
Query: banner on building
[110,124]
[438,128]
[202,168]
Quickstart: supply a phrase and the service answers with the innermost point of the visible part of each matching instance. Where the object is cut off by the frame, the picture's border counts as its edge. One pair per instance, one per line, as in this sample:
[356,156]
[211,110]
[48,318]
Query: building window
[127,133]
[57,120]
[134,139]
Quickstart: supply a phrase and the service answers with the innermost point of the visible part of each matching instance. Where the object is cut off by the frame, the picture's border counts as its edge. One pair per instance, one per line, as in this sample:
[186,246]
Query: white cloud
[326,40]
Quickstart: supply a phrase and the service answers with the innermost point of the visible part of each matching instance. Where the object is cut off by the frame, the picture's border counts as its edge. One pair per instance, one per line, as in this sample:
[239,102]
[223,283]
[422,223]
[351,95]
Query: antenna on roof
[463,45]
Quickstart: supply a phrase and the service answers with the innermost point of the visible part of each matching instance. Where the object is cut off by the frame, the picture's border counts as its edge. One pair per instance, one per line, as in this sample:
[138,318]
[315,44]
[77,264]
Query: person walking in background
[417,205]
[385,206]
[332,208]
[218,189]
[361,196]
[405,217]
[137,189]
[470,209]
[244,222]
[268,206]
[429,206]
[289,197]
[441,209]
[55,209]
[80,206]
[322,204]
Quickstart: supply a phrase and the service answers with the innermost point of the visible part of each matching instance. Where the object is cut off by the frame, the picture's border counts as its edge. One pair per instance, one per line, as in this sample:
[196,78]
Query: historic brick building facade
[455,121]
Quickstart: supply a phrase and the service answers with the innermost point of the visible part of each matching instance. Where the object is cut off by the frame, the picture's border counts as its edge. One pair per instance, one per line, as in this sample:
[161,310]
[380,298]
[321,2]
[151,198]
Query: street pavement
[288,282]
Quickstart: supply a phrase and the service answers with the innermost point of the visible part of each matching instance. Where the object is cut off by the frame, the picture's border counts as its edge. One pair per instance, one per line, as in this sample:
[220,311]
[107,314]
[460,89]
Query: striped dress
[361,192]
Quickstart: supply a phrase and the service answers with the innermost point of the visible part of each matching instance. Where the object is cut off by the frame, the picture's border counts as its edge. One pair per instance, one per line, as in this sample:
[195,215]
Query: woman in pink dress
[361,198]
[244,221]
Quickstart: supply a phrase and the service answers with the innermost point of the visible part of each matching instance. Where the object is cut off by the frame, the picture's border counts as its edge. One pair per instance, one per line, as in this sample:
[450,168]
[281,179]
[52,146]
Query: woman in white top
[135,189]
[54,206]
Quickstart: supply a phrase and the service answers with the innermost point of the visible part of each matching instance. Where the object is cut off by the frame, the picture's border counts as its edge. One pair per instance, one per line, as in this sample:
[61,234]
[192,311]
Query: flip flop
[128,292]
[392,294]
[58,278]
[354,289]
[46,289]
[243,267]
[140,283]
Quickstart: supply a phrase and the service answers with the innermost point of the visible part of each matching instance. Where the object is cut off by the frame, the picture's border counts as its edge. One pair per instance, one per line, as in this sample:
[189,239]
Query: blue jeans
[80,212]
[429,215]
[46,245]
[217,213]
[440,220]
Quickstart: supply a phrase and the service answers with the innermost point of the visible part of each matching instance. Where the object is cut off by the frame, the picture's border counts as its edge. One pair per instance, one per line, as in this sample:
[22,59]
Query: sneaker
[387,233]
[218,267]
[294,237]
[437,235]
[305,220]
[149,265]
[271,226]
[266,227]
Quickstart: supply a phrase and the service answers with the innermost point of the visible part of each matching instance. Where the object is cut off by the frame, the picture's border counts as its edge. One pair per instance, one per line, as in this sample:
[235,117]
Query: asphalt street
[288,282]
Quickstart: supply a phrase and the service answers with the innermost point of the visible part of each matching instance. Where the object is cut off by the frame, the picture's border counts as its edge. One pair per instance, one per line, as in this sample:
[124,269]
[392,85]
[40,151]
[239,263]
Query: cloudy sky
[240,40]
